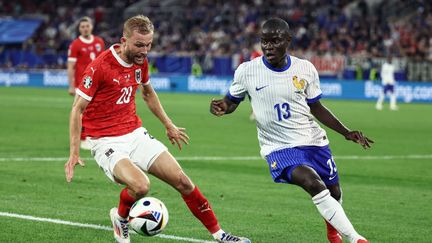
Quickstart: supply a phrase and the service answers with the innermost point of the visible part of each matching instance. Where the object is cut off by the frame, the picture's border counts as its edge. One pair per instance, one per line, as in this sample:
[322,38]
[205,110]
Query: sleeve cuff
[72,59]
[146,83]
[234,99]
[82,94]
[313,100]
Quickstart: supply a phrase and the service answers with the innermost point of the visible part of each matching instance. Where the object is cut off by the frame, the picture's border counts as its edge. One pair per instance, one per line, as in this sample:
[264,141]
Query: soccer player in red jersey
[121,147]
[82,51]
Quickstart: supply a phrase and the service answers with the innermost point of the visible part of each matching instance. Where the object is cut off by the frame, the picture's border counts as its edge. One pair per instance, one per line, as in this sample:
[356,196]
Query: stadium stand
[353,36]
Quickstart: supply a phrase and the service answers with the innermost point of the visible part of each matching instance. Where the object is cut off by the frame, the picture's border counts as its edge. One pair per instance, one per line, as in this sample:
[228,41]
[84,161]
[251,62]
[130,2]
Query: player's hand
[177,135]
[218,107]
[70,166]
[71,91]
[358,137]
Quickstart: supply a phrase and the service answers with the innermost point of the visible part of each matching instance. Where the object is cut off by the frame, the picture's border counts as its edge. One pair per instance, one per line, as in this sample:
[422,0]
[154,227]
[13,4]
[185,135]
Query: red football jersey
[255,54]
[110,84]
[83,52]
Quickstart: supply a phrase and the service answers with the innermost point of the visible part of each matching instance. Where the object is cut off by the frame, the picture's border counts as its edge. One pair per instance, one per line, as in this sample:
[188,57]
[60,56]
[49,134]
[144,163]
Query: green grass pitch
[387,189]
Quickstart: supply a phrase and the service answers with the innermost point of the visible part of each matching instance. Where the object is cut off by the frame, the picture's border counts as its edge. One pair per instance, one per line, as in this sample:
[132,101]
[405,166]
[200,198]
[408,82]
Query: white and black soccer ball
[148,216]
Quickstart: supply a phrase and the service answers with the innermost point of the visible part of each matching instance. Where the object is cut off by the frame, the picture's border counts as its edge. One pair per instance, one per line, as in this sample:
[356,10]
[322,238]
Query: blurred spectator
[207,29]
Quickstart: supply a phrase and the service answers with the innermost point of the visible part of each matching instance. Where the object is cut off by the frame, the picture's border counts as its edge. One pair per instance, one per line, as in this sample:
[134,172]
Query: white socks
[393,102]
[218,234]
[380,101]
[379,104]
[332,211]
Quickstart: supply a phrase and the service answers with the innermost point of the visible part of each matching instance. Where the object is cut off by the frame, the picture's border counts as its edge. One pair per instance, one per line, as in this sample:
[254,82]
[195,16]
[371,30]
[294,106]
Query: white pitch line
[92,226]
[238,158]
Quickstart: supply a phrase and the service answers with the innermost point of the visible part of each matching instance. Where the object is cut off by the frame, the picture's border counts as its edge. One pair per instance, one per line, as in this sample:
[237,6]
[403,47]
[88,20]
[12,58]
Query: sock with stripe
[332,212]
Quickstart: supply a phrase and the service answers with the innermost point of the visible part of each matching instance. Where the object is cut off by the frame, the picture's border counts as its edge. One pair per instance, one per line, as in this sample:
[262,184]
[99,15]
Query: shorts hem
[154,158]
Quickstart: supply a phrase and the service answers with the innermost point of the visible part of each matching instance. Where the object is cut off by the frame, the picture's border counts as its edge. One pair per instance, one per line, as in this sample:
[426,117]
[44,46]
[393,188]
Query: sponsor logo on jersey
[299,84]
[138,76]
[87,82]
[260,88]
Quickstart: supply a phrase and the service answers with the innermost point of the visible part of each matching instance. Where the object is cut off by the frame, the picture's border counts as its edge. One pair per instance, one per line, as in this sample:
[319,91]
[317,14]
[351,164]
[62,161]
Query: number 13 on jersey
[283,111]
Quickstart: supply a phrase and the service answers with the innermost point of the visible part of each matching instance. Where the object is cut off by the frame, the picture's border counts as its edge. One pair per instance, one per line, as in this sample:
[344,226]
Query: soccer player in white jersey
[388,85]
[285,92]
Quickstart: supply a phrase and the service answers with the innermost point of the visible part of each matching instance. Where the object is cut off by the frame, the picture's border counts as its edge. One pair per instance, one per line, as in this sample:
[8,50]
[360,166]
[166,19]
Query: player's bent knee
[140,189]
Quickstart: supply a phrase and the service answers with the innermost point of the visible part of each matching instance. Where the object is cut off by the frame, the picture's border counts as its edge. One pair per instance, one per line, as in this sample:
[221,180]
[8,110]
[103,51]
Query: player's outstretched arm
[176,135]
[78,108]
[71,77]
[327,118]
[222,106]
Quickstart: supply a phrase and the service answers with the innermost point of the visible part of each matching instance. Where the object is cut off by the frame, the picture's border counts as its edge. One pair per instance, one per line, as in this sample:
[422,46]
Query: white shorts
[138,146]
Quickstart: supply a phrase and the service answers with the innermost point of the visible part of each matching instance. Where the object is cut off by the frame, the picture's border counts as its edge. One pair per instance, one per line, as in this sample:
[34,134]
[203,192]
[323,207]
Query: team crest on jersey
[98,47]
[299,84]
[138,75]
[274,165]
[87,82]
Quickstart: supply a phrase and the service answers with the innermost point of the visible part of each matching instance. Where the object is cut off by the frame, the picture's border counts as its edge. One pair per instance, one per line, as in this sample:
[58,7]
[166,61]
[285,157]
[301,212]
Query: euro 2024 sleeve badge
[87,81]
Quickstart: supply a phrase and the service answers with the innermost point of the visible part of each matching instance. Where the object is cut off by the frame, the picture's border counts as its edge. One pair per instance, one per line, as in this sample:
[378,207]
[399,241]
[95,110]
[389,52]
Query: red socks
[200,207]
[332,235]
[196,202]
[126,202]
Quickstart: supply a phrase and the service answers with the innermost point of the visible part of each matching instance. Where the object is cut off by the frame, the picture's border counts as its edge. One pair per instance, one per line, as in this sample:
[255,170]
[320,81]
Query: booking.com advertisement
[331,88]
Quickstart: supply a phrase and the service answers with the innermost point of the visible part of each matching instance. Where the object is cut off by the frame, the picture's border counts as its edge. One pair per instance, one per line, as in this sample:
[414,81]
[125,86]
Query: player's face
[85,28]
[137,46]
[274,45]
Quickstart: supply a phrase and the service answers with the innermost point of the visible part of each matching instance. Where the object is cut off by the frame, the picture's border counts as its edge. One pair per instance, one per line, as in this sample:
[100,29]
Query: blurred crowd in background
[357,30]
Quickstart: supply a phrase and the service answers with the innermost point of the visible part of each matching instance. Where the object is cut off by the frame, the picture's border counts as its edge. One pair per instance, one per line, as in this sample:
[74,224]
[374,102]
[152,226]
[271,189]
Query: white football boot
[120,227]
[226,237]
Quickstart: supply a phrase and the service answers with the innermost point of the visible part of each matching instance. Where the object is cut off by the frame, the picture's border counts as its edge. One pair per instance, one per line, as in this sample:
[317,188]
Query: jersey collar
[284,68]
[87,41]
[118,58]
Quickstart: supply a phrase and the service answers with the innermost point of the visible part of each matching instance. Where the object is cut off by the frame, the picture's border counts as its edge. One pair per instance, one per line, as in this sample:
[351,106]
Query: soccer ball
[148,216]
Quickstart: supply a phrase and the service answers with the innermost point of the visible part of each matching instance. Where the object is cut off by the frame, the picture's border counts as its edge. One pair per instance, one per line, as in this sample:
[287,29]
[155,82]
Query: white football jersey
[387,73]
[279,99]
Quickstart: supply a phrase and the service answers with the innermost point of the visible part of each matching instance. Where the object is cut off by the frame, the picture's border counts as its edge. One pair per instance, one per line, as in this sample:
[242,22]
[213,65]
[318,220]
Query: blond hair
[140,23]
[85,19]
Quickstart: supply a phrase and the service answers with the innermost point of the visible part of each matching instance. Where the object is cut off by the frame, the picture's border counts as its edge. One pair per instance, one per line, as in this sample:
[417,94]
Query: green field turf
[387,189]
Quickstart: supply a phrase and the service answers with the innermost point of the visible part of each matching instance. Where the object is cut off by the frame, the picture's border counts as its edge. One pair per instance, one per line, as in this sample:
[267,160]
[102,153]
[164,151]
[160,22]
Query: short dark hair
[277,23]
